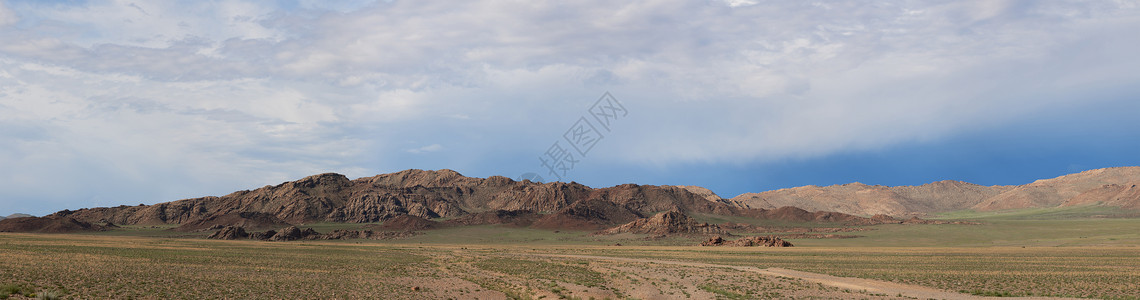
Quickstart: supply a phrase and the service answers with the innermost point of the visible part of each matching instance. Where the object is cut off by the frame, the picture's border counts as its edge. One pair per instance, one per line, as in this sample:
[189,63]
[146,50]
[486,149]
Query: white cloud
[426,149]
[7,17]
[226,92]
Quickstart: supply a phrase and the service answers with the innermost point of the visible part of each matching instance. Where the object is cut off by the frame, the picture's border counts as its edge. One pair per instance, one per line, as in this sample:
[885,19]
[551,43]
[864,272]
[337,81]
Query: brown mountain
[1124,196]
[433,194]
[1110,187]
[1054,192]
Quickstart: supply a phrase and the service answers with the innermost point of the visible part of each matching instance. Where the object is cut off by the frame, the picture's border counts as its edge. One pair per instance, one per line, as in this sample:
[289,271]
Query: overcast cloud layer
[118,102]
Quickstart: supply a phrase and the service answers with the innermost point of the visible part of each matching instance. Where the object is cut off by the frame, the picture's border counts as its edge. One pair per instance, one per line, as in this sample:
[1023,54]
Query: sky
[106,103]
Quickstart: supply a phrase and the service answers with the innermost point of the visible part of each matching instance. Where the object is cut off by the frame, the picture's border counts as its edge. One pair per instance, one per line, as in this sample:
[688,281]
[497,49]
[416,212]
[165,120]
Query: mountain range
[1115,187]
[444,194]
[447,194]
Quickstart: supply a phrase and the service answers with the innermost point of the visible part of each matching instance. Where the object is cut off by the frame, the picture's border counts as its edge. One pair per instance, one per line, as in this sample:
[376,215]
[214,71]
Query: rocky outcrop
[230,233]
[588,215]
[262,235]
[666,223]
[341,234]
[293,233]
[752,241]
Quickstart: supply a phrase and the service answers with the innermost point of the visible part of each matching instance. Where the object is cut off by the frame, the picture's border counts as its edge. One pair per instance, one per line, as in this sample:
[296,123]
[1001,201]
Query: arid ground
[1022,253]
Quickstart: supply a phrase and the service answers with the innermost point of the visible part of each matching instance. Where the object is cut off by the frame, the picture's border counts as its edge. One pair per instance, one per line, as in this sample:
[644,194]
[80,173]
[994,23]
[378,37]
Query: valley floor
[100,267]
[1023,254]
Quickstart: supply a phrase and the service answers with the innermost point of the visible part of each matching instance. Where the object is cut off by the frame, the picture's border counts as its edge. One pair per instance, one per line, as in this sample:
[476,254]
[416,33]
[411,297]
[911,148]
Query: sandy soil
[874,287]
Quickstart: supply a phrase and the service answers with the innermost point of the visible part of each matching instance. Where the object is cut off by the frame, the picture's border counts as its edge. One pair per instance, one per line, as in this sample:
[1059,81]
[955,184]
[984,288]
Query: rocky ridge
[435,194]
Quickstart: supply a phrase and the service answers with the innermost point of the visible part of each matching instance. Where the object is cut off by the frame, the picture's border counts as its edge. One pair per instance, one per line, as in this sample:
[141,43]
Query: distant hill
[1108,187]
[435,194]
[49,224]
[17,215]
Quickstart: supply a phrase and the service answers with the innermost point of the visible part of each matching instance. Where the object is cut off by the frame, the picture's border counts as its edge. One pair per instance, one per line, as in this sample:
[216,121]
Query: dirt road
[855,284]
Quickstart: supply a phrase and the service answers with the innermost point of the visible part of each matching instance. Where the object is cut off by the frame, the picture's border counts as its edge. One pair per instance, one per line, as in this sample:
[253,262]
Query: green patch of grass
[131,267]
[720,219]
[329,227]
[987,293]
[721,292]
[995,233]
[501,235]
[1097,272]
[7,290]
[1051,213]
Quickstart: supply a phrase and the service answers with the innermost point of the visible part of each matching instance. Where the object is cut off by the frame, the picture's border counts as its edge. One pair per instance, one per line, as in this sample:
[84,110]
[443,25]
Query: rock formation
[230,233]
[293,233]
[667,223]
[752,241]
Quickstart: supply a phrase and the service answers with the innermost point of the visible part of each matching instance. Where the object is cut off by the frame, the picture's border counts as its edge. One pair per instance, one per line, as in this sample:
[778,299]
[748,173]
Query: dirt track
[850,283]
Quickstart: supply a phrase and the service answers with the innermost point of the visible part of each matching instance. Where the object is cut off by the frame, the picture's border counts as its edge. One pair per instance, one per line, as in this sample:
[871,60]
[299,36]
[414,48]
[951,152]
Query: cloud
[7,17]
[244,93]
[426,149]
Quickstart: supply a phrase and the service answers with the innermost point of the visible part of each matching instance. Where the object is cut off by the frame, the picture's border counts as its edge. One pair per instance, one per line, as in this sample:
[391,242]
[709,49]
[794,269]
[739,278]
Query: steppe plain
[1039,253]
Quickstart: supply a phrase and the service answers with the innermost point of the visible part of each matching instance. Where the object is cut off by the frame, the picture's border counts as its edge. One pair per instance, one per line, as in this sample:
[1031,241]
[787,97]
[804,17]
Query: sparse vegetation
[1002,257]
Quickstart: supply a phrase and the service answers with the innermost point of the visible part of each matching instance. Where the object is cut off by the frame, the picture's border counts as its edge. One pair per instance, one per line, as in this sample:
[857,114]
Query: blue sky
[106,103]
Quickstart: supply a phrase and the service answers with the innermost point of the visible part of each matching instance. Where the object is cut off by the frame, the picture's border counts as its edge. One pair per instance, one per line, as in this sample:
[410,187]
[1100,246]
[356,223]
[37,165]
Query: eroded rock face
[666,223]
[230,233]
[752,241]
[292,233]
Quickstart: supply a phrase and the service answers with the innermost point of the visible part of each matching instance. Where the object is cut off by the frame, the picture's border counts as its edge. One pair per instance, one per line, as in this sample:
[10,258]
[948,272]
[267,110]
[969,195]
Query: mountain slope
[1109,187]
[1054,192]
[429,194]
